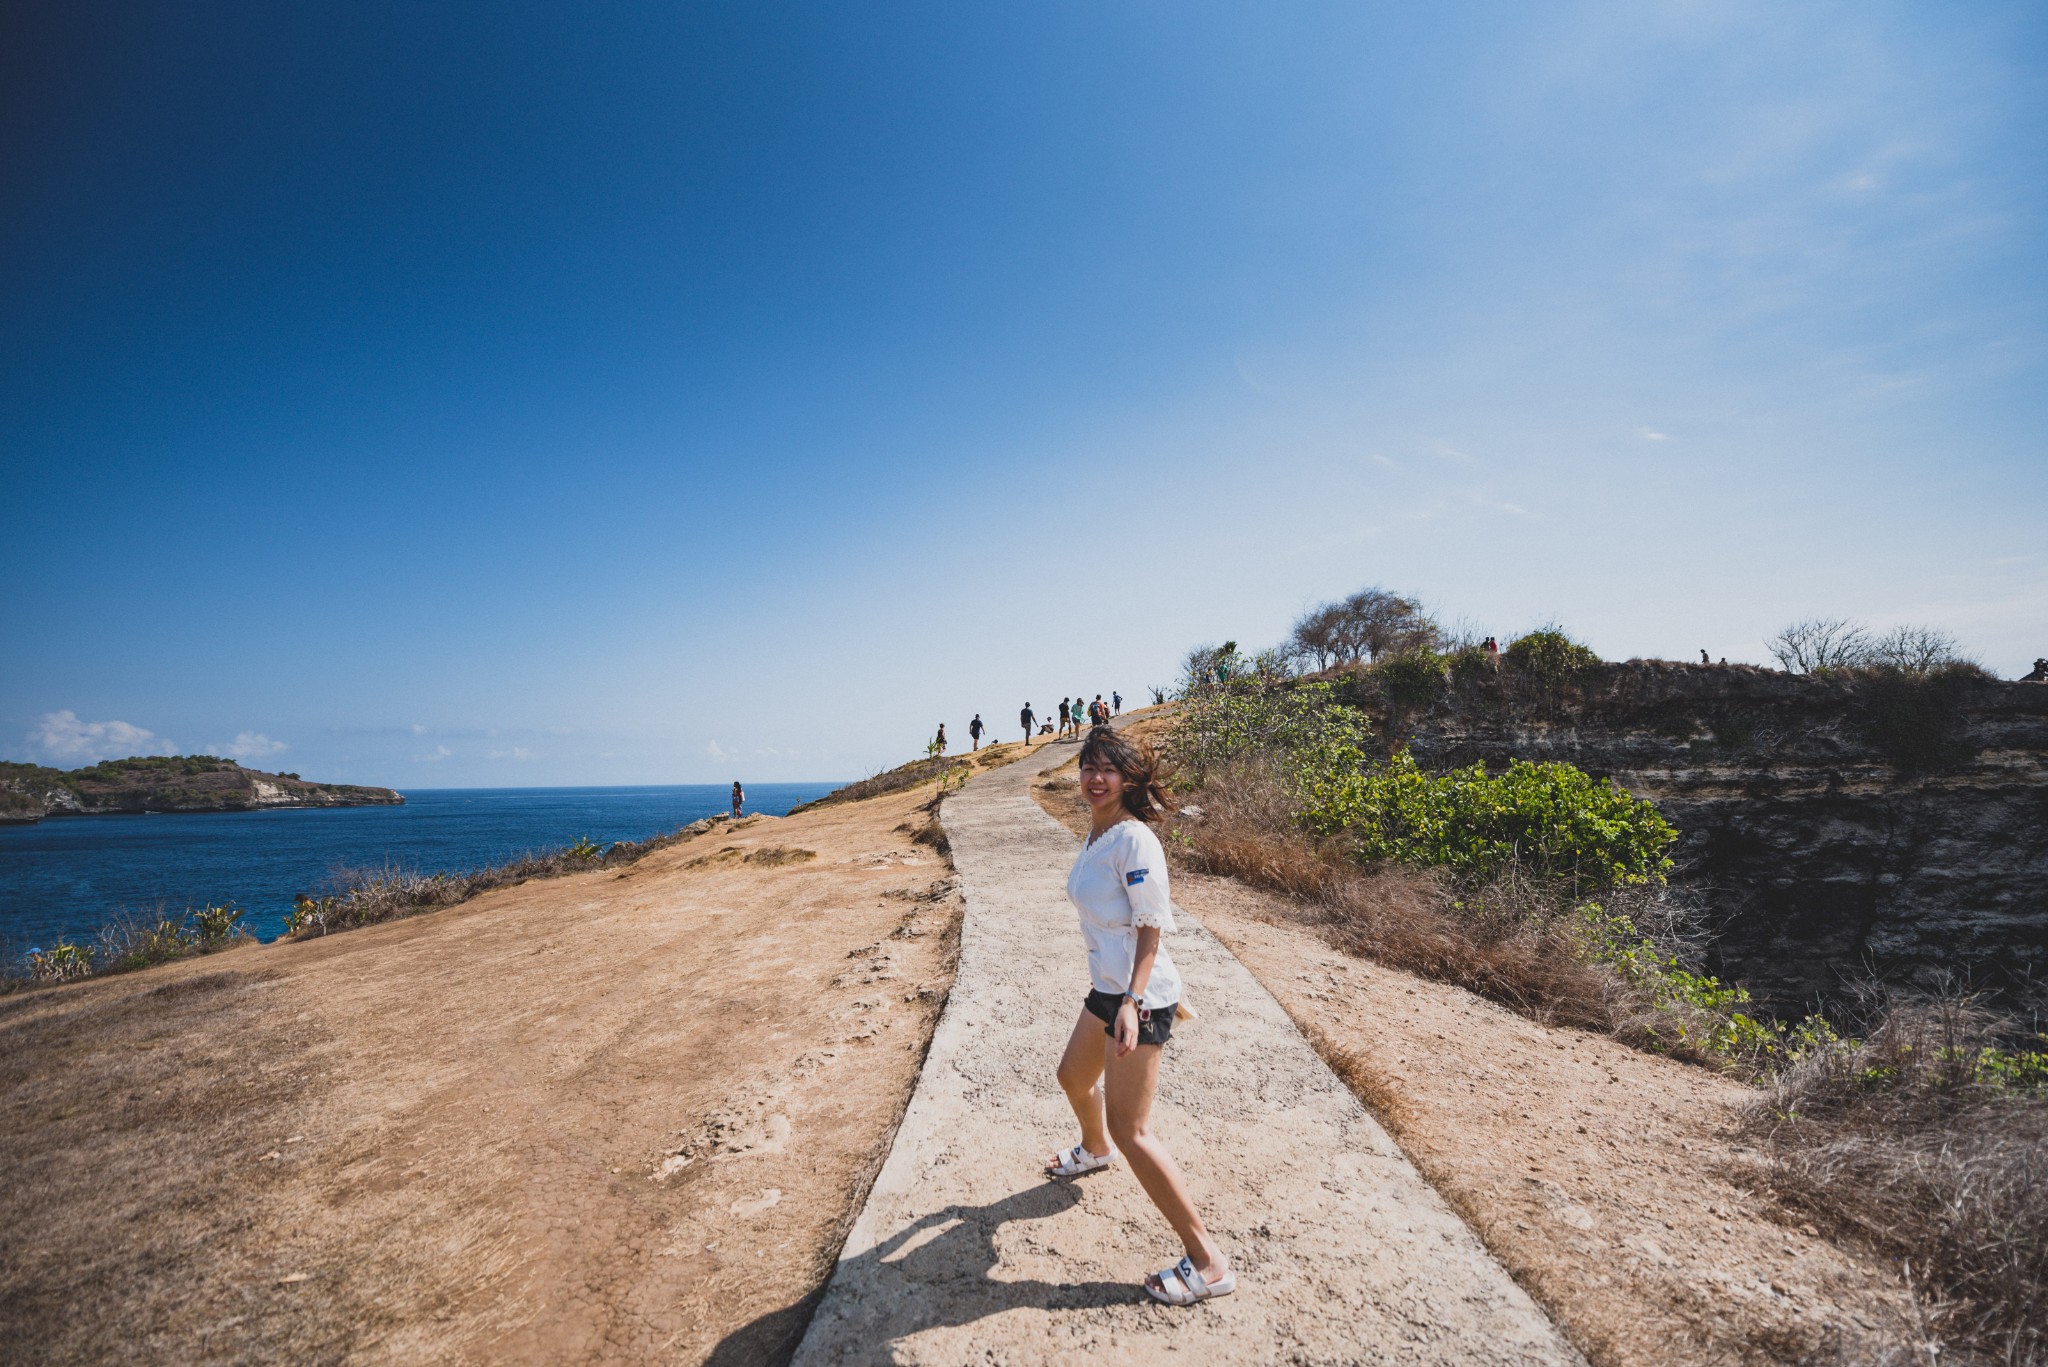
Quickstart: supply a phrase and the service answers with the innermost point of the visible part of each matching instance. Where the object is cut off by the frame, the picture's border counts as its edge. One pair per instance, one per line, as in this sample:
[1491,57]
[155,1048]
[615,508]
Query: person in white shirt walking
[1110,1070]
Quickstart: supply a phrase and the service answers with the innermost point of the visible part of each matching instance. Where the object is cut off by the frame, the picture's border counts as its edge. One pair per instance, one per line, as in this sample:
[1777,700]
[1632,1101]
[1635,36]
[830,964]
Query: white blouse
[1119,884]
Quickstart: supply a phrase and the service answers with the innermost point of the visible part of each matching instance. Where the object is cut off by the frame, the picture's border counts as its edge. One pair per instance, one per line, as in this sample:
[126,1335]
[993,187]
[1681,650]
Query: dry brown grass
[897,779]
[201,1062]
[370,897]
[1901,1143]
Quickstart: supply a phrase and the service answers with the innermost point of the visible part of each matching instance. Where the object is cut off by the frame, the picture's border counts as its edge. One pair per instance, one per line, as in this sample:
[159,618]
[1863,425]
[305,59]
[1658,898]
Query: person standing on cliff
[739,799]
[974,730]
[1026,719]
[1116,702]
[1110,1067]
[1063,719]
[939,741]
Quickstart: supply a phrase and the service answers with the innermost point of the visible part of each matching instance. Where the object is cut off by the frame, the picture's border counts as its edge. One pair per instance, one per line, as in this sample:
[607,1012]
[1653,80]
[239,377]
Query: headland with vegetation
[167,783]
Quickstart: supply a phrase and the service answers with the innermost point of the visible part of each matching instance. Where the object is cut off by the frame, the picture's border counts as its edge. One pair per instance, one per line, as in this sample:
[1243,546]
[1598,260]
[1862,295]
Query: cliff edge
[1834,824]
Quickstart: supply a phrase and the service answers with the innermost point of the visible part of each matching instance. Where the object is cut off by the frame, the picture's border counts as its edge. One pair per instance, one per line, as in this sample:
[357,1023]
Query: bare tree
[1366,626]
[1821,643]
[1914,650]
[1837,643]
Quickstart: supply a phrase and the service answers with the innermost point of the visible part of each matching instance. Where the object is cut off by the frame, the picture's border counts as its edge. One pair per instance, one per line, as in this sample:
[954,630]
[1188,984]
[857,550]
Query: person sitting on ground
[974,730]
[739,799]
[1110,1069]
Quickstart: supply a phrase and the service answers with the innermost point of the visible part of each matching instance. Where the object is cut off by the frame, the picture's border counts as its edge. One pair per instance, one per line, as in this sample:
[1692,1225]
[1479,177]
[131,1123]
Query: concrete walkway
[966,1253]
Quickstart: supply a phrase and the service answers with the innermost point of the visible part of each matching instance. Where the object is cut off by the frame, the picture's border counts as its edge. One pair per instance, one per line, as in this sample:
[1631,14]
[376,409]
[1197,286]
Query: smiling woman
[1110,1069]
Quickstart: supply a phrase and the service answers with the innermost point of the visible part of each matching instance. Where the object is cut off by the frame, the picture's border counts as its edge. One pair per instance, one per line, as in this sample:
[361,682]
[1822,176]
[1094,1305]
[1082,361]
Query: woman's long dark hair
[1144,795]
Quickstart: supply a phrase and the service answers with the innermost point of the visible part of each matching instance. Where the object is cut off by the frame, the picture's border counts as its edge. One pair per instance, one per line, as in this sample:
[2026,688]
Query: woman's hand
[1126,1027]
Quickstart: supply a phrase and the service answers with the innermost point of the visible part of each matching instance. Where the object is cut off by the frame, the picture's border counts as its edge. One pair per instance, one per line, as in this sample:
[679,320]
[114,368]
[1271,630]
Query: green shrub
[217,925]
[1468,665]
[60,963]
[1552,819]
[1697,1011]
[1300,729]
[584,849]
[1550,657]
[1413,679]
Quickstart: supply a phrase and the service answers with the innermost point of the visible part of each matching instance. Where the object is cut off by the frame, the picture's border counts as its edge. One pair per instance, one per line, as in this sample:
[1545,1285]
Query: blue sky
[438,394]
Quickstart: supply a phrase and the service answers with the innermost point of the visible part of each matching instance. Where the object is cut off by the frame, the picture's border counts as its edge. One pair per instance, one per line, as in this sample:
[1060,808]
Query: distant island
[166,783]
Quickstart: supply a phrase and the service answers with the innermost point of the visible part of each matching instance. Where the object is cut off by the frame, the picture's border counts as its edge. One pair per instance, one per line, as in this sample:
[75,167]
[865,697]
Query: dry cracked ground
[630,1116]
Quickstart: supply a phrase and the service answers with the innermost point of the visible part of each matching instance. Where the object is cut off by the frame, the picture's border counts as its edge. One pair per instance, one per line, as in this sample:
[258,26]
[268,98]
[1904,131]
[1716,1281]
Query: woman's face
[1102,783]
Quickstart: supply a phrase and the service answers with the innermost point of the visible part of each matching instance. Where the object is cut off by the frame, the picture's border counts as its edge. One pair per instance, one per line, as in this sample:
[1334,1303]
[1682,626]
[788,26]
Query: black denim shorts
[1154,1027]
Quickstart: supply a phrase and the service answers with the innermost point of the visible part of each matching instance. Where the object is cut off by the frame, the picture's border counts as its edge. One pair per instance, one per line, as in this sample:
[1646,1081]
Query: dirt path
[965,1253]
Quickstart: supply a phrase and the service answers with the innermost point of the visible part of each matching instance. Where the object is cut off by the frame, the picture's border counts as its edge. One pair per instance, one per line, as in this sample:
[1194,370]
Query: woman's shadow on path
[943,1281]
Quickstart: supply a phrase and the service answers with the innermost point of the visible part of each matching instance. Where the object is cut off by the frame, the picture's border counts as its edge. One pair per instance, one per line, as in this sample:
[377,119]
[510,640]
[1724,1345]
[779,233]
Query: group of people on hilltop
[1098,712]
[1072,710]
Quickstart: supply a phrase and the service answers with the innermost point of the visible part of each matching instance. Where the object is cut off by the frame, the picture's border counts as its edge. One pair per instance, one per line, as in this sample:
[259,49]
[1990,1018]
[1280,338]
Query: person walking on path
[939,741]
[1027,718]
[974,730]
[1063,719]
[1110,1070]
[739,799]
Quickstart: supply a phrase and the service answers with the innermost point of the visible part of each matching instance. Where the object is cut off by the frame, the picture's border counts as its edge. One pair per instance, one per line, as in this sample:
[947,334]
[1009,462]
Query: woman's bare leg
[1130,1083]
[1080,1077]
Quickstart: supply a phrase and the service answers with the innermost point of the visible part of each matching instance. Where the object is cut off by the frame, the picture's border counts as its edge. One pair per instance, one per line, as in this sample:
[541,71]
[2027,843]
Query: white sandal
[1078,1160]
[1182,1285]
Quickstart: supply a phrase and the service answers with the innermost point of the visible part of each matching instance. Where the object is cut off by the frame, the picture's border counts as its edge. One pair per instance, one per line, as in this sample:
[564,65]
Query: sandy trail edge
[964,1252]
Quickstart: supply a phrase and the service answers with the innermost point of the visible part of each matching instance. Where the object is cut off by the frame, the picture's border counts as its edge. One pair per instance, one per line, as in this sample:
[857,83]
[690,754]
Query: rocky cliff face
[180,783]
[1832,825]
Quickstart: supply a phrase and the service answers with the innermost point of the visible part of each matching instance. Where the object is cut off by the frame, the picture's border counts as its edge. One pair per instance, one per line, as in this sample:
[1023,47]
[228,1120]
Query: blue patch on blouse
[1135,877]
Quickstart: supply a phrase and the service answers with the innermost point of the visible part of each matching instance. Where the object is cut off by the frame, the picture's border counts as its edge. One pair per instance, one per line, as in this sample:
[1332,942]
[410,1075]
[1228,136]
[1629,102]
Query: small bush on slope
[124,945]
[1924,1140]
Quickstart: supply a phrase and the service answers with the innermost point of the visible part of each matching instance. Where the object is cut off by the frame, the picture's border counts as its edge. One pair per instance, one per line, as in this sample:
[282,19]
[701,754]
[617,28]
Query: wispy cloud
[62,736]
[516,752]
[440,752]
[1652,434]
[254,745]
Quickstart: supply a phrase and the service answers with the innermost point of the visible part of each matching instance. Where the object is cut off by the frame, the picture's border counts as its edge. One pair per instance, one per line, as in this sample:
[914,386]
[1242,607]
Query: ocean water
[68,876]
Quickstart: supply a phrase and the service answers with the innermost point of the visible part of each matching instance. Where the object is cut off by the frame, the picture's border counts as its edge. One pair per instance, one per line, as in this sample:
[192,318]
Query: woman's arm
[1141,973]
